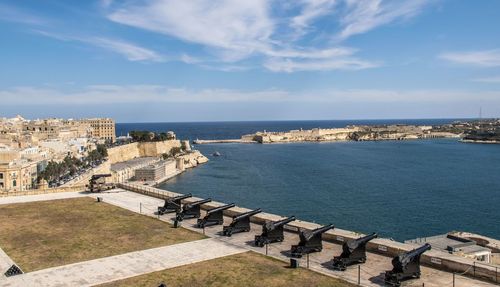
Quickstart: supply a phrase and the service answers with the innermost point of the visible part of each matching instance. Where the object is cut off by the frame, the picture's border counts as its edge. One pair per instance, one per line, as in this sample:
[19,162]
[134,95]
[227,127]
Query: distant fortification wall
[143,149]
[157,148]
[123,153]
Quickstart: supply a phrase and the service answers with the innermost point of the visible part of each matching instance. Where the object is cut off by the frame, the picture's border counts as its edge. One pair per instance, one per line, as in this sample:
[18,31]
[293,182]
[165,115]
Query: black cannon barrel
[224,207]
[247,214]
[180,197]
[366,238]
[281,222]
[353,244]
[284,221]
[97,176]
[322,229]
[408,256]
[195,203]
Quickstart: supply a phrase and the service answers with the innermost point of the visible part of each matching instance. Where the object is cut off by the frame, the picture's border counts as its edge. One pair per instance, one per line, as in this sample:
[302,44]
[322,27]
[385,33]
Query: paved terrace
[141,262]
[371,272]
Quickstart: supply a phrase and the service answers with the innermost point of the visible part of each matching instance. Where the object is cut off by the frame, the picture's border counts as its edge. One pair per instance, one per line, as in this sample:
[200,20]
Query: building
[123,171]
[18,175]
[456,245]
[152,172]
[102,128]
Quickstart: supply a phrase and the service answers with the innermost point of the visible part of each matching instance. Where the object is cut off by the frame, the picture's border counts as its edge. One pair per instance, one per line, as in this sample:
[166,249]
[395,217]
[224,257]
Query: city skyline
[163,60]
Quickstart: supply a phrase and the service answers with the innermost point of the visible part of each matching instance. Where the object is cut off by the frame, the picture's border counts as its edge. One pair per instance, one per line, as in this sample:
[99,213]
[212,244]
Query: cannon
[191,210]
[172,204]
[310,241]
[214,216]
[97,183]
[353,251]
[272,231]
[406,266]
[240,223]
[13,270]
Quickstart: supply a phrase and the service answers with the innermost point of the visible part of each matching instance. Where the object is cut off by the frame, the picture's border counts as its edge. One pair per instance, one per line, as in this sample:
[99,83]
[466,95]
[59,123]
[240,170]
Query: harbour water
[401,189]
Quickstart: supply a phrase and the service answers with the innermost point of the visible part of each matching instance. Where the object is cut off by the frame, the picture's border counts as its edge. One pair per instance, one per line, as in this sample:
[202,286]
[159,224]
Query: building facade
[19,175]
[151,172]
[123,171]
[102,128]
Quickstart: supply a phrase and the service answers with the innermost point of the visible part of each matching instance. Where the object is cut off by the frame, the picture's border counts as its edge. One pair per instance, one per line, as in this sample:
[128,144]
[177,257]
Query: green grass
[246,269]
[39,235]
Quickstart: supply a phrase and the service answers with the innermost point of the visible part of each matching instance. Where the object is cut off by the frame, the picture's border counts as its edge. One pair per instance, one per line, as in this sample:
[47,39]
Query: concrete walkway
[127,265]
[40,197]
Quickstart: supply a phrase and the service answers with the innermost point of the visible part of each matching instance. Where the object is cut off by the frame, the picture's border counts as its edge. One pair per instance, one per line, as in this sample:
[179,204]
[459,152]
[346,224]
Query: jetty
[197,141]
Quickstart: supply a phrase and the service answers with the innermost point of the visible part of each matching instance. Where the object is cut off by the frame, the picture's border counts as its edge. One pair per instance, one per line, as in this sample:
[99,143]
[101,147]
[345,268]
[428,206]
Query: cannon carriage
[353,251]
[173,204]
[190,210]
[240,223]
[310,241]
[272,231]
[214,216]
[406,266]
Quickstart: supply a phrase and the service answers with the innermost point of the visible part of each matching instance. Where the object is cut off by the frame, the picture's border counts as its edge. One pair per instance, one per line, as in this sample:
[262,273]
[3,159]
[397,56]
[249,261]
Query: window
[14,183]
[1,175]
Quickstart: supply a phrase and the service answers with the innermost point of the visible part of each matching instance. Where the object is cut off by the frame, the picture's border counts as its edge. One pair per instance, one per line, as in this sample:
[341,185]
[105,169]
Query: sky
[222,60]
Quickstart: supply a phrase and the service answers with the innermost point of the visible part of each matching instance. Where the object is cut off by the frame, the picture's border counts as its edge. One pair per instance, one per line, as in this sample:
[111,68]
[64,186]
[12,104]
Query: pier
[197,141]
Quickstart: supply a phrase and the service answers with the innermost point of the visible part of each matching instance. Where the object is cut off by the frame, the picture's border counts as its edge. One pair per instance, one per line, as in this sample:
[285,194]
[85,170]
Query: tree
[102,150]
[175,151]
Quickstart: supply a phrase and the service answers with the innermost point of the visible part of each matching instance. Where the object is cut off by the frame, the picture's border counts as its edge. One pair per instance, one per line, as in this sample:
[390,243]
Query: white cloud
[131,94]
[312,9]
[495,79]
[485,58]
[130,51]
[289,65]
[239,28]
[365,15]
[236,30]
[280,35]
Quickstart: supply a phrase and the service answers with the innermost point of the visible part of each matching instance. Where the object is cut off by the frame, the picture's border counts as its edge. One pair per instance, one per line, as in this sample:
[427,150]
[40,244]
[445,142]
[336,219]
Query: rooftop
[132,163]
[451,243]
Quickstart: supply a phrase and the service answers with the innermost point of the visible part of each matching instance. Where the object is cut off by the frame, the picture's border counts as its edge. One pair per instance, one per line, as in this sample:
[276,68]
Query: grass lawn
[43,234]
[245,269]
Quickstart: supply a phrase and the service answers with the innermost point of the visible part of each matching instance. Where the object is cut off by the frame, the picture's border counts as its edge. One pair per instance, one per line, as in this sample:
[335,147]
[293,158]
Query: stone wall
[123,153]
[157,148]
[144,149]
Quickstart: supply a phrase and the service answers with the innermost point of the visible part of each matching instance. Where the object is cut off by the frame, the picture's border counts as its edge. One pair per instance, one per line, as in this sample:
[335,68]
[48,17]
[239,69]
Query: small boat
[216,153]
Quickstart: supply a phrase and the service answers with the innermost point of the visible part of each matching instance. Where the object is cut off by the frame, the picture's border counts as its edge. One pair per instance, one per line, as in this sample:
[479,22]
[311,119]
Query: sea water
[400,189]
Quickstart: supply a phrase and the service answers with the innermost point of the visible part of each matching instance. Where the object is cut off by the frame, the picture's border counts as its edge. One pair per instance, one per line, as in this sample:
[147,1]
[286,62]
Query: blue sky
[214,60]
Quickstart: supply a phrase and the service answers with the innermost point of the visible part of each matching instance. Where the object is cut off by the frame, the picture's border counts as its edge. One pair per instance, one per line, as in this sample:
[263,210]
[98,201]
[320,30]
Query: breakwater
[349,133]
[197,141]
